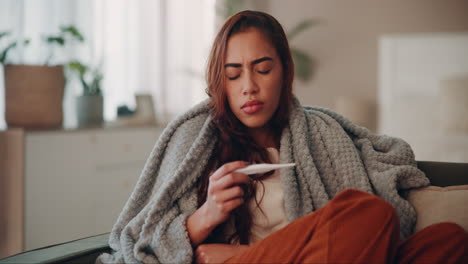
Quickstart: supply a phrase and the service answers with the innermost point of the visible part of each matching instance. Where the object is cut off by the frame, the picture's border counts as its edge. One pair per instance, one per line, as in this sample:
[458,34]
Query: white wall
[423,93]
[345,43]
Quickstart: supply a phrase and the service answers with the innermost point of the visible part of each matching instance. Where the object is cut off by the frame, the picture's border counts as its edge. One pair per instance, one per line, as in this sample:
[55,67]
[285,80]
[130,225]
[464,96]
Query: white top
[272,204]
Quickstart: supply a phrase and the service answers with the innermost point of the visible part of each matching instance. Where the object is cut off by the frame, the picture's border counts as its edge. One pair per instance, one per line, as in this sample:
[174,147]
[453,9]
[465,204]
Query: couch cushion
[440,204]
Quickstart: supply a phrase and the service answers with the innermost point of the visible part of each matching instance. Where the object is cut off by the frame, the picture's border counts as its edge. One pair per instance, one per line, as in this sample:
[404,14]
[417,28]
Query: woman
[190,204]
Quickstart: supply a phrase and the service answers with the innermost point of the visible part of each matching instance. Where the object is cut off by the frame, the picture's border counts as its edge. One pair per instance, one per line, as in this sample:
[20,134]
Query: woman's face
[253,77]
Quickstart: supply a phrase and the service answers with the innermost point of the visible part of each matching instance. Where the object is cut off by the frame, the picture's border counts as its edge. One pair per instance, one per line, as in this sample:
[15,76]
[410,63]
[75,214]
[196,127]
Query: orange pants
[357,227]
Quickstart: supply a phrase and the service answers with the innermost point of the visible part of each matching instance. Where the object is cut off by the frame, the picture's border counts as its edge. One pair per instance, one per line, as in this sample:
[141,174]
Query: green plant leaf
[96,83]
[4,34]
[73,31]
[301,27]
[78,67]
[86,87]
[90,86]
[4,53]
[303,64]
[56,39]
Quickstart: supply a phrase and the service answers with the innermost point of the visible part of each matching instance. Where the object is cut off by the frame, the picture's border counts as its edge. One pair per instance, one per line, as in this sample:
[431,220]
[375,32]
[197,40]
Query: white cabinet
[75,182]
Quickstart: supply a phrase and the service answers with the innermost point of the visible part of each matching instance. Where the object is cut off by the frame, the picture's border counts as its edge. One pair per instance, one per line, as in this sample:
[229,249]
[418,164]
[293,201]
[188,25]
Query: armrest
[78,251]
[445,173]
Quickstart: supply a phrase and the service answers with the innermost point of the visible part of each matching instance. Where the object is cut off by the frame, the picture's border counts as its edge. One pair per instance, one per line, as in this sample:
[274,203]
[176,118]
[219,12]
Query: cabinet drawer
[76,183]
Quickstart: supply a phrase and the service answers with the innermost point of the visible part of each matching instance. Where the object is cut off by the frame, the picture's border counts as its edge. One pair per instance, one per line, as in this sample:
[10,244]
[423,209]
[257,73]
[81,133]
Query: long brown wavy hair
[234,143]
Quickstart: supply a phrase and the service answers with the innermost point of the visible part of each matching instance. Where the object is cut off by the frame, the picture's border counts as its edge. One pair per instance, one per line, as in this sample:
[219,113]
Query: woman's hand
[223,196]
[224,193]
[217,253]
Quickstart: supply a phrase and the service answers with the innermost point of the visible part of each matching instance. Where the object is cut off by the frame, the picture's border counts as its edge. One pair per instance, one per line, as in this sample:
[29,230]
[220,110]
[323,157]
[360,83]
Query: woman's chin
[257,123]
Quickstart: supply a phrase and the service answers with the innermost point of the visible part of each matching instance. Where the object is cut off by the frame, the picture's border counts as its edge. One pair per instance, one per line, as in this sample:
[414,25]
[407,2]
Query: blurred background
[86,88]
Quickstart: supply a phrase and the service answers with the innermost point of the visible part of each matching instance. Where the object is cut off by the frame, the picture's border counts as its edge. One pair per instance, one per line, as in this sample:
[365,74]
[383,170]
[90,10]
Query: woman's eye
[232,73]
[264,72]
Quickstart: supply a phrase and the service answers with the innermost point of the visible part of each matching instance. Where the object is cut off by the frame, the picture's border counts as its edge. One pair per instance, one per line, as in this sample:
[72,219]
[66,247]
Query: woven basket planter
[33,96]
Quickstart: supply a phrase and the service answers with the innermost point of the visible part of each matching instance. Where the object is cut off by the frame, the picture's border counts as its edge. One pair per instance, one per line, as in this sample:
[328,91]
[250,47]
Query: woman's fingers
[224,194]
[200,257]
[232,204]
[228,194]
[226,169]
[230,180]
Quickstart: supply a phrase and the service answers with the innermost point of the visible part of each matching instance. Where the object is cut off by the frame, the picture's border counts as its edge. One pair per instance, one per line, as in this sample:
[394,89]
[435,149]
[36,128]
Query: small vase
[89,110]
[145,108]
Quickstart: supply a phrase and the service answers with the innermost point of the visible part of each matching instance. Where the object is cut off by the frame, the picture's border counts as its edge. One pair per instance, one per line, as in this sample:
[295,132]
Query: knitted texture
[331,154]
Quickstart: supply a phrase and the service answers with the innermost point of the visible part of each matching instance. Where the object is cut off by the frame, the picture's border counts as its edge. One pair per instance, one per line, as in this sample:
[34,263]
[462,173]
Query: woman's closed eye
[234,77]
[259,71]
[264,67]
[264,72]
[233,73]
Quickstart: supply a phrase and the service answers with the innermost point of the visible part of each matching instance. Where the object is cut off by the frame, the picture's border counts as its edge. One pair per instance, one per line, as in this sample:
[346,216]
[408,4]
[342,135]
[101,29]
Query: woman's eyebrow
[235,65]
[257,61]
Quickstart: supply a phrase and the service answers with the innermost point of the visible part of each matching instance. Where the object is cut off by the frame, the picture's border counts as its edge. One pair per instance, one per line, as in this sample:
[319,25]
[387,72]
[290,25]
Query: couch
[449,184]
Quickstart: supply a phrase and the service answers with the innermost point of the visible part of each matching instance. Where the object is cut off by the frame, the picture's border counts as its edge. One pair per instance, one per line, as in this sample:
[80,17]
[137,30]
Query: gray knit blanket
[331,154]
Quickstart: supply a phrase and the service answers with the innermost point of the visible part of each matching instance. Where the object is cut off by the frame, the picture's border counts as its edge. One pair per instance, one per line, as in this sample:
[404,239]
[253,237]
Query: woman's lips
[252,107]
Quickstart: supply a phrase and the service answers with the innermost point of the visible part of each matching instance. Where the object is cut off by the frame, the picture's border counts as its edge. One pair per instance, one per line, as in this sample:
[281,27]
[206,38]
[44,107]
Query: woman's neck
[264,137]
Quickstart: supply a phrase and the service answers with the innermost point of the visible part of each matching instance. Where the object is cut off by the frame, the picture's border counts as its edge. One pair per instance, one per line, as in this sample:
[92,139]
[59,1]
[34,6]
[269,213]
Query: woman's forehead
[247,46]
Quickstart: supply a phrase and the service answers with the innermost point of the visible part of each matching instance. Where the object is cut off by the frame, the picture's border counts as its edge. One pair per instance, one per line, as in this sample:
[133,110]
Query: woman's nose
[249,85]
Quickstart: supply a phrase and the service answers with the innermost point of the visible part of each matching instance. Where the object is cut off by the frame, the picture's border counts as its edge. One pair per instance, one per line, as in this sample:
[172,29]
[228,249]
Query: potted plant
[89,106]
[34,93]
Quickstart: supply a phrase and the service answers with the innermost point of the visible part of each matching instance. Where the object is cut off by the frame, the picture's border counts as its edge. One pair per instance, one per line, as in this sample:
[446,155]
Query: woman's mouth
[251,107]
